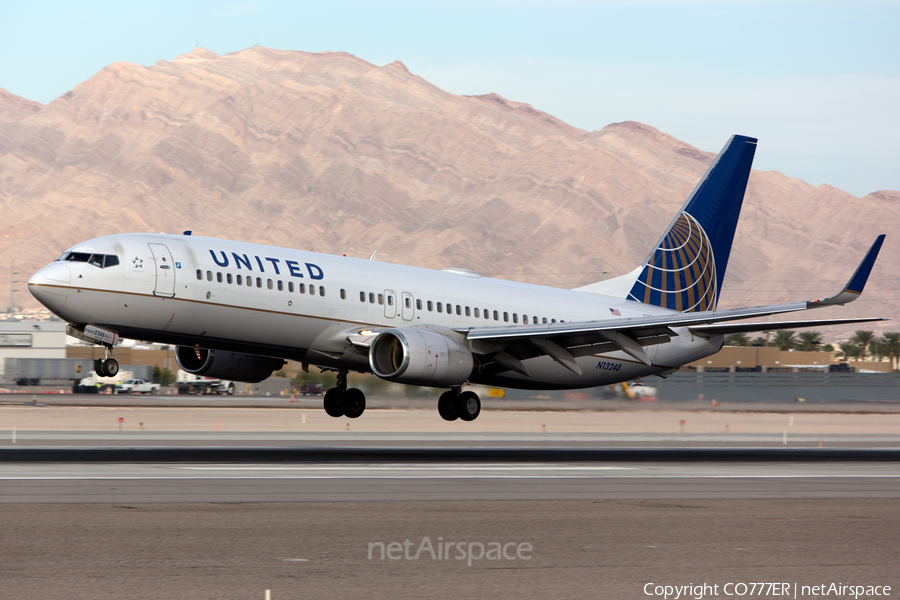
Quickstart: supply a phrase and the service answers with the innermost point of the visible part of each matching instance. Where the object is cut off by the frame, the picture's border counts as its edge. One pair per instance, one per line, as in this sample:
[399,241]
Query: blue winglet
[858,281]
[856,284]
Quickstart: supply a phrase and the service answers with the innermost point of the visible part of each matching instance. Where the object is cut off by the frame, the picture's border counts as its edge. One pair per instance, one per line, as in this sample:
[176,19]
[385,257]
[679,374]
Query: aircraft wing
[565,341]
[729,328]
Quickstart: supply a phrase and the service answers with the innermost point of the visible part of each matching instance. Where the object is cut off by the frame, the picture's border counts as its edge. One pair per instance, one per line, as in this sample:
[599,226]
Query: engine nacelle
[232,366]
[420,357]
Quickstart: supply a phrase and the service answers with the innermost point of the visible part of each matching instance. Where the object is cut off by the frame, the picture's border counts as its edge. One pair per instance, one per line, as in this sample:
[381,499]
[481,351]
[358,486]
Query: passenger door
[165,270]
[390,304]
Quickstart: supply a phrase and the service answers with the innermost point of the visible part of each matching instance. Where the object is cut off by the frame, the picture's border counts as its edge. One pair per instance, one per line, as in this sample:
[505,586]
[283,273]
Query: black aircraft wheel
[468,406]
[446,407]
[100,368]
[353,402]
[111,367]
[333,403]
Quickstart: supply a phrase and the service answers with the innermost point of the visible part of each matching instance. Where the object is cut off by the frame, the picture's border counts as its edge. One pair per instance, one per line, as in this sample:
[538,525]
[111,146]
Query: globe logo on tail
[681,272]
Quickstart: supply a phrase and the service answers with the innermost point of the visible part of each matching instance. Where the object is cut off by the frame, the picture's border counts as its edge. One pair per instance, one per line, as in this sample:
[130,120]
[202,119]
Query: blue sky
[817,82]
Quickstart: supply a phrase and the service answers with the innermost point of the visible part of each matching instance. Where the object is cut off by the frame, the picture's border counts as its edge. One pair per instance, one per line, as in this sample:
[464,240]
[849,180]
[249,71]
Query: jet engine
[420,357]
[232,366]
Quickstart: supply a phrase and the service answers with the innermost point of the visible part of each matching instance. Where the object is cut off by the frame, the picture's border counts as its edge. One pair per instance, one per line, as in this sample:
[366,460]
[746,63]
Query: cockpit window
[98,260]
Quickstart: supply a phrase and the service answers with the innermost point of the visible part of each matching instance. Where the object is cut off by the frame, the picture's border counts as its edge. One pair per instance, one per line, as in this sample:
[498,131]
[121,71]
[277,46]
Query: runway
[383,473]
[147,522]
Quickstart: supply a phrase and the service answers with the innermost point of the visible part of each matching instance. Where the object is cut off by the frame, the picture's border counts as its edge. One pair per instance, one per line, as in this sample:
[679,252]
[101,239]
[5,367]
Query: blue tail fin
[686,269]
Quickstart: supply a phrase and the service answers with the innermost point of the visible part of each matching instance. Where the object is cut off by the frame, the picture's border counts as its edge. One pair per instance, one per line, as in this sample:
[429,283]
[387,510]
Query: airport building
[31,339]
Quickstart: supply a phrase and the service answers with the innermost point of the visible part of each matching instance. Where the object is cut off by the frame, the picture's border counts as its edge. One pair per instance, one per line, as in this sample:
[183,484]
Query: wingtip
[858,282]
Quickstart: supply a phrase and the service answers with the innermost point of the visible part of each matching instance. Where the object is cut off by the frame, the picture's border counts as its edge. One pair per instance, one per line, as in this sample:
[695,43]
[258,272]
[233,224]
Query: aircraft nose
[50,285]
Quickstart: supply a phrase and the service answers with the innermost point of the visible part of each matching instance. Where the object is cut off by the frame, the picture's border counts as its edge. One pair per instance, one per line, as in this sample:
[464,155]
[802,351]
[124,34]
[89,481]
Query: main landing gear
[343,402]
[108,366]
[456,404]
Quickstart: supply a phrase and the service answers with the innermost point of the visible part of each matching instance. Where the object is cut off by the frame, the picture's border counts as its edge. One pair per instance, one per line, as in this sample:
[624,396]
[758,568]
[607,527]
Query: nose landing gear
[342,402]
[107,367]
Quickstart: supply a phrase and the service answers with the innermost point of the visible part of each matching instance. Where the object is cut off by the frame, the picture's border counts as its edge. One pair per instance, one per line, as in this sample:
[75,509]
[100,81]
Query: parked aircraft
[237,310]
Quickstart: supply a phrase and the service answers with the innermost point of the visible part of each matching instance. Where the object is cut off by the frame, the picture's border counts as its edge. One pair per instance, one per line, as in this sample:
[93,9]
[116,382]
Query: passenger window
[487,314]
[111,260]
[362,296]
[440,307]
[458,309]
[199,275]
[544,320]
[477,313]
[496,316]
[228,278]
[209,275]
[280,286]
[553,320]
[321,290]
[515,317]
[219,277]
[249,281]
[291,286]
[390,300]
[312,290]
[301,287]
[506,317]
[343,294]
[381,299]
[524,319]
[430,305]
[408,303]
[259,282]
[418,305]
[371,298]
[467,311]
[239,279]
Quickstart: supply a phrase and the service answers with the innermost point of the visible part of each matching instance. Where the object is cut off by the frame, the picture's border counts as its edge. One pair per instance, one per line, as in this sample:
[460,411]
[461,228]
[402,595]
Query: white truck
[137,386]
[94,384]
[197,384]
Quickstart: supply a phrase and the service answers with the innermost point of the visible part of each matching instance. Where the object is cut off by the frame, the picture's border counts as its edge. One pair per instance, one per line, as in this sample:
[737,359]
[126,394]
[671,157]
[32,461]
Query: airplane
[237,310]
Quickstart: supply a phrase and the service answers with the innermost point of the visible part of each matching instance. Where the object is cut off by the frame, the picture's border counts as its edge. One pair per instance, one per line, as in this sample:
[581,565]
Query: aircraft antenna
[372,258]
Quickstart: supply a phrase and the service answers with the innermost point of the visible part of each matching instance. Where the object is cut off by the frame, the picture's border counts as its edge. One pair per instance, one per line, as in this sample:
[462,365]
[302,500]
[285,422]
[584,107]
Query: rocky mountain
[330,153]
[14,108]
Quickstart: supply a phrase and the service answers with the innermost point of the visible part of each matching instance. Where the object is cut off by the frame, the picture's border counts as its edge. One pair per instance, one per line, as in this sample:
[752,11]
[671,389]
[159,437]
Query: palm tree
[784,339]
[759,341]
[848,351]
[737,339]
[810,340]
[890,347]
[862,339]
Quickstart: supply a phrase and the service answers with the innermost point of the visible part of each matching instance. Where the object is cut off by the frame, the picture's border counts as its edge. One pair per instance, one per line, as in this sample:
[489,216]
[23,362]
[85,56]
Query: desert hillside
[331,153]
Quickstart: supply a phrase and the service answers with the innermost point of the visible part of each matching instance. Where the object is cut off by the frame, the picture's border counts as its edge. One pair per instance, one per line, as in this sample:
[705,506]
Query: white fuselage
[184,290]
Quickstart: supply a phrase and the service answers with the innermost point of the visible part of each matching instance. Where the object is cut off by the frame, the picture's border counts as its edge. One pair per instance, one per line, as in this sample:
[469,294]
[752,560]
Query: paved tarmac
[92,514]
[592,548]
